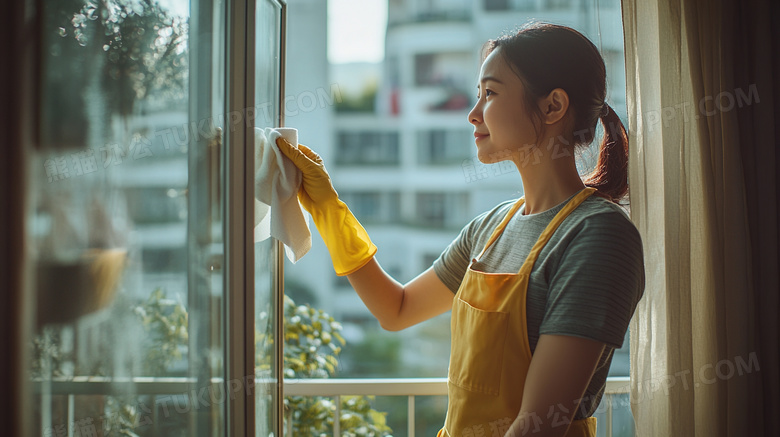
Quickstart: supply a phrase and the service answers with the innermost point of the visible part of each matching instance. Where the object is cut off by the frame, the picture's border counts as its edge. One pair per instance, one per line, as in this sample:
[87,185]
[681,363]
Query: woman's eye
[488,93]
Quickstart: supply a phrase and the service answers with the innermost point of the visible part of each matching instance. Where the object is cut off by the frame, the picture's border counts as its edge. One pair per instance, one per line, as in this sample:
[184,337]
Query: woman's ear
[554,106]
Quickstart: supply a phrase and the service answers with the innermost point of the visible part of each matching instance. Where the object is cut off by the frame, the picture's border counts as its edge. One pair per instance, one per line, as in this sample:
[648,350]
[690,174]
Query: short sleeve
[453,262]
[599,280]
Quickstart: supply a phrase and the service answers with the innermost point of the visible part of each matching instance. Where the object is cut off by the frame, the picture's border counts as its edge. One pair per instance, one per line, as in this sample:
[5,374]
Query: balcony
[161,391]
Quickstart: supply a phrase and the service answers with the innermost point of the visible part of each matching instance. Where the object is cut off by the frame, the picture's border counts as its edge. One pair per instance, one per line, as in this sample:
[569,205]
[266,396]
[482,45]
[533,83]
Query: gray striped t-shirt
[586,282]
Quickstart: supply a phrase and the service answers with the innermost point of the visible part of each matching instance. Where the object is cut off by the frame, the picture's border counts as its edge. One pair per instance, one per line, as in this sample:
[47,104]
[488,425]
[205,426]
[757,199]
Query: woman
[541,288]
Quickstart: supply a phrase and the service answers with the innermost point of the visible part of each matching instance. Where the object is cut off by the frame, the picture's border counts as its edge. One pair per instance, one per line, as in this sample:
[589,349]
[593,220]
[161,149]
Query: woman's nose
[475,115]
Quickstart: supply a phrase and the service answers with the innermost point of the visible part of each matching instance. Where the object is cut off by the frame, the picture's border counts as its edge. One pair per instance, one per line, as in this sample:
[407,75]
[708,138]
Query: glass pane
[126,231]
[267,82]
[622,419]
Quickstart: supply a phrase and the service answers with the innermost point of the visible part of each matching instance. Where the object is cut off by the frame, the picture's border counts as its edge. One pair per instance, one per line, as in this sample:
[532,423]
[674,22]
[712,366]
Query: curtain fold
[758,70]
[702,100]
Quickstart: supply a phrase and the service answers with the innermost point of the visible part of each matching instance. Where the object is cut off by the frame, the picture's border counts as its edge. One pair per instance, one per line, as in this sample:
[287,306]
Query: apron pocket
[477,353]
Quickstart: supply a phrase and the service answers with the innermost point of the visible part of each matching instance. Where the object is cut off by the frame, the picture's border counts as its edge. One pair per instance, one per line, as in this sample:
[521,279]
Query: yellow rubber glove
[346,239]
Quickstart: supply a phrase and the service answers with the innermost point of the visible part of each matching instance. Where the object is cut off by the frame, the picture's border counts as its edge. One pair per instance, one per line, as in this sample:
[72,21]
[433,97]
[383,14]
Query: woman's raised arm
[396,306]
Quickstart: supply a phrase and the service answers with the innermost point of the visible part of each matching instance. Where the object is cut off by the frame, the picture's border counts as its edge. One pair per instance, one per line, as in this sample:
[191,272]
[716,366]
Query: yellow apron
[490,349]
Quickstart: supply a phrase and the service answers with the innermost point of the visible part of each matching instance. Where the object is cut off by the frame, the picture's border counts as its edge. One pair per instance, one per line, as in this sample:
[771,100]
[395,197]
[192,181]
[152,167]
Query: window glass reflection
[123,331]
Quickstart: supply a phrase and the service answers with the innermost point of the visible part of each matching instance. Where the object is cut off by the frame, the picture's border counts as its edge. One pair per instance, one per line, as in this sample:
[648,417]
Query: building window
[427,260]
[451,69]
[367,148]
[373,206]
[559,4]
[443,147]
[504,5]
[442,210]
[450,73]
[496,5]
[393,68]
[423,69]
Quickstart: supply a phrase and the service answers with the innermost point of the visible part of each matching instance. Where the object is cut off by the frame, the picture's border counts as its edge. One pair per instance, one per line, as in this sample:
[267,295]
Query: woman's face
[502,126]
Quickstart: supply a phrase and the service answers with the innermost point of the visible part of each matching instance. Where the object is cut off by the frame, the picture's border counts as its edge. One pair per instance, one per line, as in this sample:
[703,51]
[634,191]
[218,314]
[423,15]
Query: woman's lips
[478,136]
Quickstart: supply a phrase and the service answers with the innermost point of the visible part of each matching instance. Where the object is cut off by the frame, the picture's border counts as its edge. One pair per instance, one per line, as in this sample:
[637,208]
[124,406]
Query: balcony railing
[335,388]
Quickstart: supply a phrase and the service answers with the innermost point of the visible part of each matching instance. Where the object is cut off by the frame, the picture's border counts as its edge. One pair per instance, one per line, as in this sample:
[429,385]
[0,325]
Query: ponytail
[610,177]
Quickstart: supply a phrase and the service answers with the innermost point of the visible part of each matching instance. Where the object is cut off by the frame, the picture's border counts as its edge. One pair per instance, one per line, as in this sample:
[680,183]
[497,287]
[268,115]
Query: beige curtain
[702,98]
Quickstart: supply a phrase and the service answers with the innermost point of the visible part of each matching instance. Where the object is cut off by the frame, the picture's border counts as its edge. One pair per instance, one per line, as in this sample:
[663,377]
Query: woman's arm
[398,306]
[560,371]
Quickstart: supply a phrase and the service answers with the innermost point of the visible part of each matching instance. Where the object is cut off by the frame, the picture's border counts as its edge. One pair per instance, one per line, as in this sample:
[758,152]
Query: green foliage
[311,349]
[46,356]
[165,323]
[124,414]
[362,102]
[313,416]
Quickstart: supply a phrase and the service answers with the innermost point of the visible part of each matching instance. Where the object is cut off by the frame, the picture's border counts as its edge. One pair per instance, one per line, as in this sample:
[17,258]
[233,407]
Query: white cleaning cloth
[278,213]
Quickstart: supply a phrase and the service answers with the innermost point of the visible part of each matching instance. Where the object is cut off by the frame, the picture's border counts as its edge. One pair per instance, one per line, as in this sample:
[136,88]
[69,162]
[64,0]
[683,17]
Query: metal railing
[335,388]
[409,387]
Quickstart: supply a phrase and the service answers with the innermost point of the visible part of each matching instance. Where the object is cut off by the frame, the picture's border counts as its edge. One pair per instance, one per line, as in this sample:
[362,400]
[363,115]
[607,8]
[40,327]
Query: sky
[356,30]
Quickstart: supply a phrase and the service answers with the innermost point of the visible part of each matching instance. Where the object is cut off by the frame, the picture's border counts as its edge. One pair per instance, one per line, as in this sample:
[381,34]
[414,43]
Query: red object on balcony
[395,108]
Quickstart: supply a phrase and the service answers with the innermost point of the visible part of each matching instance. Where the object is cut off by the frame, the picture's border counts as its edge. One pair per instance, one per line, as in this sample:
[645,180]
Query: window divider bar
[410,419]
[238,222]
[608,427]
[155,415]
[337,417]
[279,247]
[71,406]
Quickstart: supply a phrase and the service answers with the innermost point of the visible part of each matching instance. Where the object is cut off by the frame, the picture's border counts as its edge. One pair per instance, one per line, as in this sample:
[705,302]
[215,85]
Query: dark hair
[548,56]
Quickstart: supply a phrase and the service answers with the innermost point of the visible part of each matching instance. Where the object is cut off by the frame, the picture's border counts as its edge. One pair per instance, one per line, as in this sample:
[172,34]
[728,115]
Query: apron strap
[500,228]
[528,265]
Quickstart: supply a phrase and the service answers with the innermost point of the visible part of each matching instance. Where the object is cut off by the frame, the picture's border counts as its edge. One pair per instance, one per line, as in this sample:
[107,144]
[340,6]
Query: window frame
[240,49]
